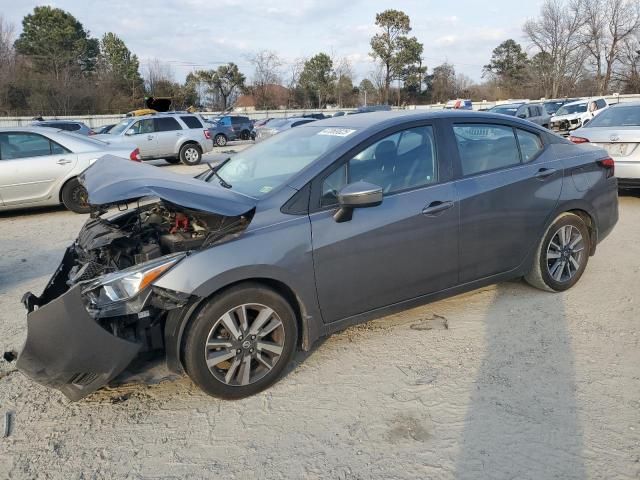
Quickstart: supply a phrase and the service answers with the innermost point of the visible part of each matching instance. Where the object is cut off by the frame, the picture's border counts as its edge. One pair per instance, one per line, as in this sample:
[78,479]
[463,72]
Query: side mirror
[356,195]
[585,121]
[522,115]
[131,131]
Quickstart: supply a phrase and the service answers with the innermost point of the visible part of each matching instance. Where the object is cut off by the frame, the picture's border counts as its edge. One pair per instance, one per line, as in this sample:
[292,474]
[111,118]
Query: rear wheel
[245,135]
[74,197]
[562,255]
[240,341]
[190,154]
[220,140]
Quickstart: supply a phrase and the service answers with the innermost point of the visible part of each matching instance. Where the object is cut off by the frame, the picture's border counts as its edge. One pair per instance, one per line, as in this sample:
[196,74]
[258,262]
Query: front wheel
[74,196]
[240,341]
[562,255]
[190,154]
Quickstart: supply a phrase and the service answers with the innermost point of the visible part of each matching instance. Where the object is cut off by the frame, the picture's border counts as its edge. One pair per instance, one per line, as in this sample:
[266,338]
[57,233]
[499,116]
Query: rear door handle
[63,161]
[436,208]
[543,173]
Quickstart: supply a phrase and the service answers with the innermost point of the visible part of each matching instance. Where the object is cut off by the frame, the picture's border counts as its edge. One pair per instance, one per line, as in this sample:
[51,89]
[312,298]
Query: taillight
[207,134]
[609,165]
[578,139]
[135,155]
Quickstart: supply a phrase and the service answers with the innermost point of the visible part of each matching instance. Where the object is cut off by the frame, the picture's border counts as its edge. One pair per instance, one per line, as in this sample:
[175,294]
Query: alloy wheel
[191,155]
[244,344]
[565,253]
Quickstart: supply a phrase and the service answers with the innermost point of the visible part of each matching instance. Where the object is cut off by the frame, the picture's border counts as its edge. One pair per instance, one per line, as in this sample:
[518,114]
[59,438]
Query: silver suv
[174,137]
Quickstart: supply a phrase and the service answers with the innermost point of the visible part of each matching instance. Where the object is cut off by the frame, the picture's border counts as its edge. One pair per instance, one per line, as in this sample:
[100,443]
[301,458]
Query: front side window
[401,161]
[143,126]
[167,124]
[600,103]
[24,145]
[485,147]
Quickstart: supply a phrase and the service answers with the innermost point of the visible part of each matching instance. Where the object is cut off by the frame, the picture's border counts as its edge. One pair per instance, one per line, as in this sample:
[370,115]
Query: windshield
[505,109]
[121,127]
[265,166]
[569,109]
[617,117]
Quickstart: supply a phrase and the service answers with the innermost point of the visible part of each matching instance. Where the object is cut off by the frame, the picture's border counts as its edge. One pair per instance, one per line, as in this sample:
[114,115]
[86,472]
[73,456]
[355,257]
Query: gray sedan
[320,227]
[617,130]
[40,166]
[279,125]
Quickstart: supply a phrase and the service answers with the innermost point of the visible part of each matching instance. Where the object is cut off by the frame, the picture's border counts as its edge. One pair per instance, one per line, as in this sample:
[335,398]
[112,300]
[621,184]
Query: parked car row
[560,116]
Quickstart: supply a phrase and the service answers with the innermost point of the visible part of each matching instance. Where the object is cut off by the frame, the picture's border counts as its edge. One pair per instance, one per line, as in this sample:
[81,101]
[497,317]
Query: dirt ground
[505,382]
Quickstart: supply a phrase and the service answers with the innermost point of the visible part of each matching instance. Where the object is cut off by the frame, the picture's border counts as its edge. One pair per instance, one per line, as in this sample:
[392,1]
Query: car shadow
[31,211]
[522,421]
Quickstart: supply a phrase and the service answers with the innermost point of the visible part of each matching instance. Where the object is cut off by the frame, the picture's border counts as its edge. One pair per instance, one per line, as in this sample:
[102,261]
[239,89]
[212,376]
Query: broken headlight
[126,291]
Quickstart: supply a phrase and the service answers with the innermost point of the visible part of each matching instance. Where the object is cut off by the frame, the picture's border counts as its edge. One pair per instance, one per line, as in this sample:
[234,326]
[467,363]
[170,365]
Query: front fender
[281,253]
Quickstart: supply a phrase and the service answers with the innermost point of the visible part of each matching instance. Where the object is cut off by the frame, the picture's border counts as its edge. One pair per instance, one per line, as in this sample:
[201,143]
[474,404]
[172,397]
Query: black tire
[220,140]
[172,160]
[209,319]
[190,154]
[545,272]
[74,197]
[245,135]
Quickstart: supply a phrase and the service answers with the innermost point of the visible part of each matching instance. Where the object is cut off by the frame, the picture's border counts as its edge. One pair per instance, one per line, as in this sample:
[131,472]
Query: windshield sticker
[336,132]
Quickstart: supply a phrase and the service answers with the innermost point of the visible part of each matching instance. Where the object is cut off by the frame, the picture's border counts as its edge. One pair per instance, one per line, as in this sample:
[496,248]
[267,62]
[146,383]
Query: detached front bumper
[67,350]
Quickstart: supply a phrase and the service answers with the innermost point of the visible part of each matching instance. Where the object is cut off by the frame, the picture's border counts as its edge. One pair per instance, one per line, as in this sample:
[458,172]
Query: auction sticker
[336,132]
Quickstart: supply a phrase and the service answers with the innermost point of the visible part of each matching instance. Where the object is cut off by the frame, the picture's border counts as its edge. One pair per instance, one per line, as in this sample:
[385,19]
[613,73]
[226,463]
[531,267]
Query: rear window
[166,124]
[191,122]
[617,117]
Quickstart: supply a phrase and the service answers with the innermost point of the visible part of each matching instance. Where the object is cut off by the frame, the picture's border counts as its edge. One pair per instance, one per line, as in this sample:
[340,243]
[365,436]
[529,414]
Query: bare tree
[266,72]
[556,34]
[157,73]
[609,24]
[344,80]
[629,74]
[464,84]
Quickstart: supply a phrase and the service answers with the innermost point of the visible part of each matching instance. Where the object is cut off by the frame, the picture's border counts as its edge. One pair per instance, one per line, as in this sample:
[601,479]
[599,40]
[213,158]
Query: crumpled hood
[569,117]
[113,179]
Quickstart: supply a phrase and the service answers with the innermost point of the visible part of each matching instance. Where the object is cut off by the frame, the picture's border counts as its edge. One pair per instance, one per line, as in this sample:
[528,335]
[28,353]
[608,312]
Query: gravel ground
[504,382]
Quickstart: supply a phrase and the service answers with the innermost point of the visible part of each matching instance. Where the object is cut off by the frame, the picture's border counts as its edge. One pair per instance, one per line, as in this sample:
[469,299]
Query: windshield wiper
[215,169]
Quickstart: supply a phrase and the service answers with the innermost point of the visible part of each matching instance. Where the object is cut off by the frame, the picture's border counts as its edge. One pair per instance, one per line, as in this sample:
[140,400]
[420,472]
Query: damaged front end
[101,309]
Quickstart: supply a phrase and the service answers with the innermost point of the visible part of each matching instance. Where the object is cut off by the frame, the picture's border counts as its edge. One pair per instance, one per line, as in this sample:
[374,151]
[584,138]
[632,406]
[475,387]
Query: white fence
[95,121]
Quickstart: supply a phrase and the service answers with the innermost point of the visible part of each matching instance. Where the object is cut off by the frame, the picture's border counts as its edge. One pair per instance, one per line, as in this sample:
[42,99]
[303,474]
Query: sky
[202,34]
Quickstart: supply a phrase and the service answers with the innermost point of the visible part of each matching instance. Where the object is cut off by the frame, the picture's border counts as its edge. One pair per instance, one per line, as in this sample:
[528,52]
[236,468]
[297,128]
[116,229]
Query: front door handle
[436,208]
[63,161]
[543,173]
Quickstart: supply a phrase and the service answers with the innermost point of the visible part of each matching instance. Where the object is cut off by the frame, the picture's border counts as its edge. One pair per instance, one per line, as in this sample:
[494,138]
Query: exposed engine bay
[148,232]
[111,253]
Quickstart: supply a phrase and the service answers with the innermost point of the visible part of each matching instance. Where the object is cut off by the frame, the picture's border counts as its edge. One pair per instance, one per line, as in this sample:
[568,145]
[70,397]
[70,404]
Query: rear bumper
[628,173]
[67,350]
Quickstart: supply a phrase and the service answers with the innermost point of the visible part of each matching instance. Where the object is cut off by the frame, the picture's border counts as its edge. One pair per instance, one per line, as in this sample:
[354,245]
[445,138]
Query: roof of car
[373,119]
[37,122]
[625,104]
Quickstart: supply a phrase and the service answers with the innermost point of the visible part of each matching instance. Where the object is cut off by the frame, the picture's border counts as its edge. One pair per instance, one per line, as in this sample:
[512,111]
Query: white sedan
[39,166]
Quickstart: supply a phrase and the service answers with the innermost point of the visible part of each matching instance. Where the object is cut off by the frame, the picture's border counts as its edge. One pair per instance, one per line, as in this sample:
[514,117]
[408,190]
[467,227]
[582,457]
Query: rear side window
[167,124]
[191,122]
[485,147]
[530,144]
[25,145]
[70,127]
